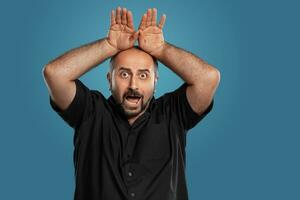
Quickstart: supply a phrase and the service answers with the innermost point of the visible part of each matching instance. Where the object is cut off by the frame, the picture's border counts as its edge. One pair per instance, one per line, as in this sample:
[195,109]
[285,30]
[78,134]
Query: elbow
[217,76]
[50,71]
[214,76]
[53,72]
[47,71]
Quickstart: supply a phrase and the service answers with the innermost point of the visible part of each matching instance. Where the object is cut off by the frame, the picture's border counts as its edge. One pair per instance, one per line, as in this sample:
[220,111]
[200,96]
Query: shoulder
[175,105]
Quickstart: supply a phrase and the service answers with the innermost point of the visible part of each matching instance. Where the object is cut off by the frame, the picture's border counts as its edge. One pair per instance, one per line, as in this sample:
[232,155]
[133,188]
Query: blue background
[246,148]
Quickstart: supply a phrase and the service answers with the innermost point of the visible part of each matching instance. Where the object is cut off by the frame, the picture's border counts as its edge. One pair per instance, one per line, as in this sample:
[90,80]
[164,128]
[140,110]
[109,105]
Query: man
[131,145]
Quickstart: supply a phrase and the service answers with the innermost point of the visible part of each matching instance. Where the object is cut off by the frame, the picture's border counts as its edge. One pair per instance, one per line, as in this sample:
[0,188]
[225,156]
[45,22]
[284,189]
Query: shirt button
[130,173]
[132,194]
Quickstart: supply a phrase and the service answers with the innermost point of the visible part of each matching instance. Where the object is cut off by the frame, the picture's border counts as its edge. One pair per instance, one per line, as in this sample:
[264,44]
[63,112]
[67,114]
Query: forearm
[74,63]
[189,67]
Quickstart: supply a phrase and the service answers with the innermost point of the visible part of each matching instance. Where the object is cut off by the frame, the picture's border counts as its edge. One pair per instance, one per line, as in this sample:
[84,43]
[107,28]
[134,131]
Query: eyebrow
[140,70]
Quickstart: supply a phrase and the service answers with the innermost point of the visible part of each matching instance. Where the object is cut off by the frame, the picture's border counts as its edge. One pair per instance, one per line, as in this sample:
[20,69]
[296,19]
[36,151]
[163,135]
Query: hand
[121,34]
[151,37]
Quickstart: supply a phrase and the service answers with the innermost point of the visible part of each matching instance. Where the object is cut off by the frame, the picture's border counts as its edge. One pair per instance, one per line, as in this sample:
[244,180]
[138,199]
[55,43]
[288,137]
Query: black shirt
[116,161]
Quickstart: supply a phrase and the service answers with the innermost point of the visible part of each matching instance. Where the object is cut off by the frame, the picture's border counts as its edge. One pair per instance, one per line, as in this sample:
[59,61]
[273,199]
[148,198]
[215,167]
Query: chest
[150,142]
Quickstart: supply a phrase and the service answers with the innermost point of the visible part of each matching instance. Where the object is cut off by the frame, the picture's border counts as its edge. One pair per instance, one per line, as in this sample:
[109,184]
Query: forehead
[134,60]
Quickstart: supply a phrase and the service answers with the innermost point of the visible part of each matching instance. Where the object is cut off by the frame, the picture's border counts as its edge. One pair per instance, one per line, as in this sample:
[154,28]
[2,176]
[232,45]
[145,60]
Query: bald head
[134,54]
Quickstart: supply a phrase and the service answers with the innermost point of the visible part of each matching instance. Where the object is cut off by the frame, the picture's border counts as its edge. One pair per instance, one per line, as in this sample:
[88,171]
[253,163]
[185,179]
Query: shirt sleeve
[180,108]
[80,109]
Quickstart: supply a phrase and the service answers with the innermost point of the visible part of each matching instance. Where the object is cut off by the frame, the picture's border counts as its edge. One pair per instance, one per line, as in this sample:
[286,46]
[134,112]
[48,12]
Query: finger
[143,22]
[154,15]
[130,19]
[162,21]
[118,15]
[112,18]
[124,16]
[135,35]
[149,17]
[141,33]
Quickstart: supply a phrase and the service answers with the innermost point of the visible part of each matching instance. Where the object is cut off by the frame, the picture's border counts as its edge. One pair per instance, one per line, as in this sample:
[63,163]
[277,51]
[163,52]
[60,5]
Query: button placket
[132,194]
[130,174]
[130,145]
[129,168]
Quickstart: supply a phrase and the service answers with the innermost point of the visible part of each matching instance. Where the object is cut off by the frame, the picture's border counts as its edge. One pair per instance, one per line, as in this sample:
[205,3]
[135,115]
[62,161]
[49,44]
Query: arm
[60,73]
[202,78]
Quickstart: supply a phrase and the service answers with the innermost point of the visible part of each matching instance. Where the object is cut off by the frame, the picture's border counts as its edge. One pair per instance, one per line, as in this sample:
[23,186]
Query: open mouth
[133,99]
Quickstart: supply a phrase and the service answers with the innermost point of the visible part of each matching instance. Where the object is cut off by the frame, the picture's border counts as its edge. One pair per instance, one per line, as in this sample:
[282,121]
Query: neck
[132,119]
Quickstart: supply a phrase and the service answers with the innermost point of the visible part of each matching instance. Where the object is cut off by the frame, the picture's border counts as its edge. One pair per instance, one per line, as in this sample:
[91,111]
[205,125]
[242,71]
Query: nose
[133,83]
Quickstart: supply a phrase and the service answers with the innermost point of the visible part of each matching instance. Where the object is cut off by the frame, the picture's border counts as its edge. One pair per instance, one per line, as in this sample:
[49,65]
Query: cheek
[119,88]
[119,83]
[148,89]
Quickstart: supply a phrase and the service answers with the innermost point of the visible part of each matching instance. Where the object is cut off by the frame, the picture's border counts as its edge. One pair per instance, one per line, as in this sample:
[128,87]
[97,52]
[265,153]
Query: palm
[151,39]
[151,35]
[121,34]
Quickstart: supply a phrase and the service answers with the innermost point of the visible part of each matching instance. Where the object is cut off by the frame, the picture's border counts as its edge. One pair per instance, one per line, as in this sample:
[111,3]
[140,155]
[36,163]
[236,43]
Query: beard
[133,112]
[129,109]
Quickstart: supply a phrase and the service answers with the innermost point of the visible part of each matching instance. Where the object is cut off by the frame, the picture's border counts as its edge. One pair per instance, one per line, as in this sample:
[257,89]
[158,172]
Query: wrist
[158,53]
[110,48]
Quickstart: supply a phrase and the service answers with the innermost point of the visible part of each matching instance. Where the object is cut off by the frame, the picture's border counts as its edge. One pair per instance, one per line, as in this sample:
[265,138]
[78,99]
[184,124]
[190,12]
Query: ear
[108,76]
[155,81]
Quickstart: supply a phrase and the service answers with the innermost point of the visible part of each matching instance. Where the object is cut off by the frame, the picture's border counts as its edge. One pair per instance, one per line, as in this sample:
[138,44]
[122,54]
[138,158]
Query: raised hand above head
[121,33]
[151,37]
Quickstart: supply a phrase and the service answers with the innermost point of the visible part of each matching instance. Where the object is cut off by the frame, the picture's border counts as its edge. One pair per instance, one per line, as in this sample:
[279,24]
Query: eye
[124,74]
[143,76]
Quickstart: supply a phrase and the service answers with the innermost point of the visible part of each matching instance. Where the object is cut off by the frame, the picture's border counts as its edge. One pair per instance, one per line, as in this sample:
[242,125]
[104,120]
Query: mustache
[133,93]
